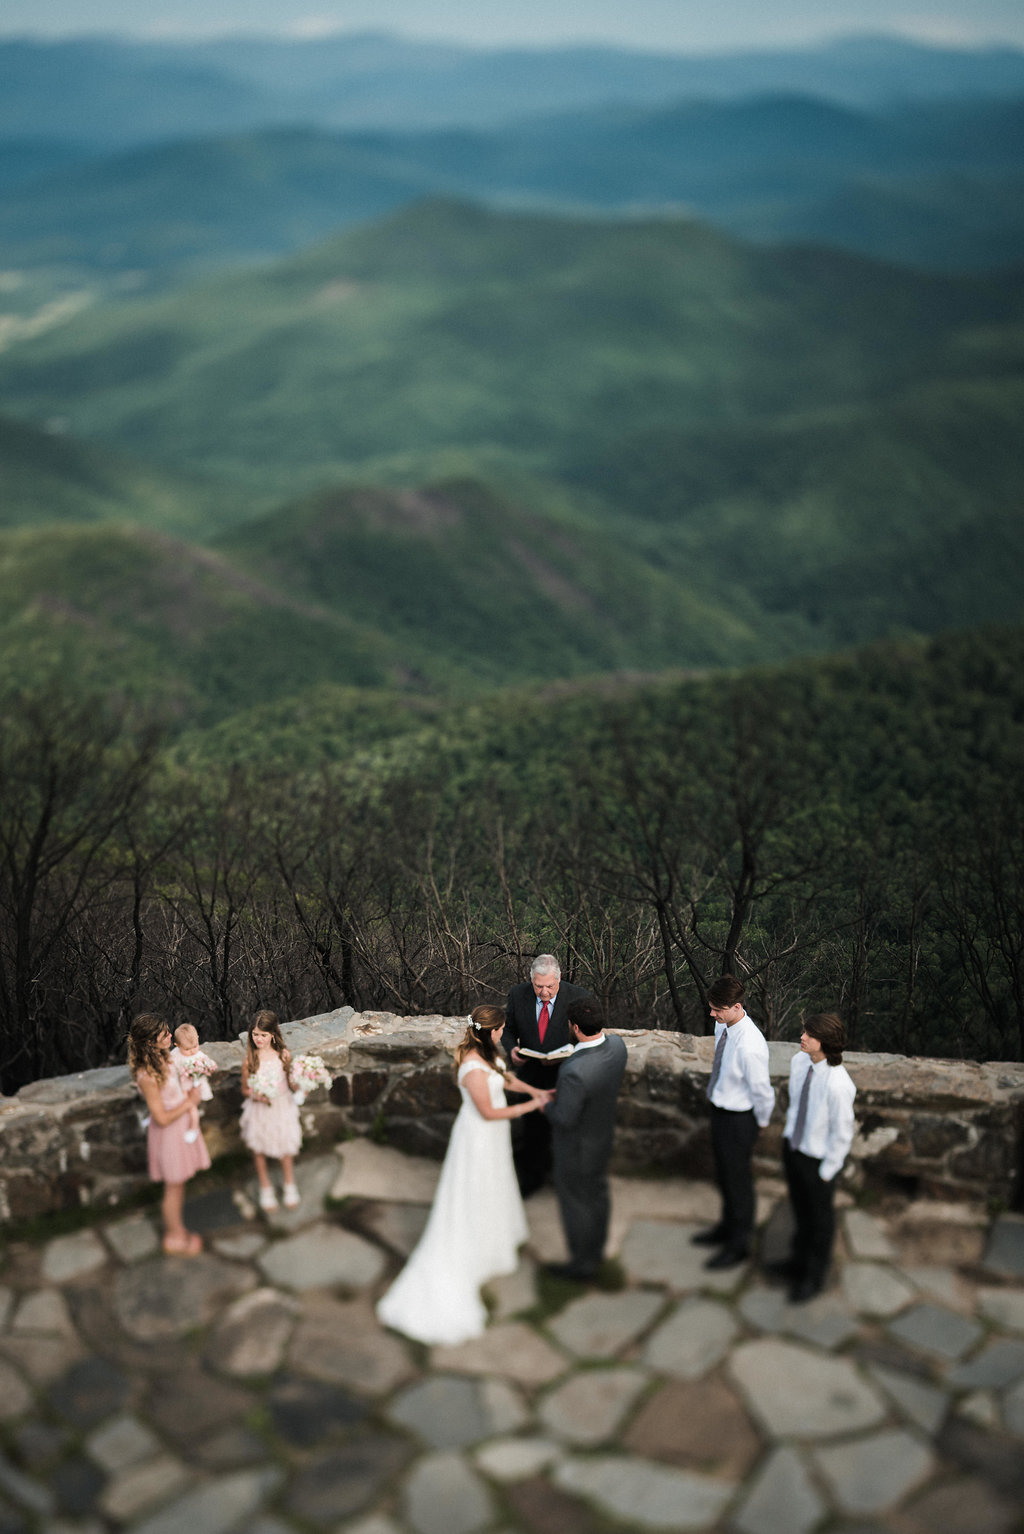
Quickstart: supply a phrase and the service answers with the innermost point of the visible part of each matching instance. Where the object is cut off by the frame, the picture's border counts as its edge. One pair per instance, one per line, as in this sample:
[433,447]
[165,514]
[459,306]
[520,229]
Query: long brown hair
[266,1022]
[479,1036]
[144,1053]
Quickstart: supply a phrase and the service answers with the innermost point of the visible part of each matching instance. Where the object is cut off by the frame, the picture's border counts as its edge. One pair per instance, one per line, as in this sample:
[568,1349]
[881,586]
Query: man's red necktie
[542,1021]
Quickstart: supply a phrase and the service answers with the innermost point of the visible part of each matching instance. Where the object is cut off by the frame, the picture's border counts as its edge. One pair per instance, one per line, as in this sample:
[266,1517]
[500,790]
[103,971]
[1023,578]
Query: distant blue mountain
[939,185]
[110,92]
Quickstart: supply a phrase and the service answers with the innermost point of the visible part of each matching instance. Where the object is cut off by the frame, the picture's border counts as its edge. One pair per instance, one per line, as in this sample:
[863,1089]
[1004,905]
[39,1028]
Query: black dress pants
[813,1214]
[732,1145]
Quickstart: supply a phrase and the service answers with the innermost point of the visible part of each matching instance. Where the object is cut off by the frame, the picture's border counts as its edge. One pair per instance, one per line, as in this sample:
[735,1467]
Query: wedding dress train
[476,1224]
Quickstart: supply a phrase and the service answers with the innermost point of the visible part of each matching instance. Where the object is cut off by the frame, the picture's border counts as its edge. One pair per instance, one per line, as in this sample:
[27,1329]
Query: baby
[192,1067]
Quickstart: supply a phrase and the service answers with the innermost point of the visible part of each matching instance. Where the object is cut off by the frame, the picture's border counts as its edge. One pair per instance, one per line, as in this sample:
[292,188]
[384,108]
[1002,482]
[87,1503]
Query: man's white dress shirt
[743,1081]
[829,1126]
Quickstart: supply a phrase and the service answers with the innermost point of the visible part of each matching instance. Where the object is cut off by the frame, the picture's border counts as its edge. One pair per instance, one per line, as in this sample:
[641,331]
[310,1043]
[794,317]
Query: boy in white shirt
[816,1140]
[741,1099]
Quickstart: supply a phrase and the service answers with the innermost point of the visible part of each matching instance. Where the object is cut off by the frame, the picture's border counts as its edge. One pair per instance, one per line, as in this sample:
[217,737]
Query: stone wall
[933,1128]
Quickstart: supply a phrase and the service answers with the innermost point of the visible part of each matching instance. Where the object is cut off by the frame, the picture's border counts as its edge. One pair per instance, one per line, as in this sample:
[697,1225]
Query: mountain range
[110,92]
[457,448]
[937,186]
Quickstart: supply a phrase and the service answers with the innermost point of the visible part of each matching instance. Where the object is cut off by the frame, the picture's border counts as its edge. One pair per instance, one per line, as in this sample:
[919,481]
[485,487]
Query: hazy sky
[680,25]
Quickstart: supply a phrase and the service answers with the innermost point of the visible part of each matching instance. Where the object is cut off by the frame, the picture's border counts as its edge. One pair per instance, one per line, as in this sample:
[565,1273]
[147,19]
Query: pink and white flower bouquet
[307,1073]
[263,1085]
[196,1067]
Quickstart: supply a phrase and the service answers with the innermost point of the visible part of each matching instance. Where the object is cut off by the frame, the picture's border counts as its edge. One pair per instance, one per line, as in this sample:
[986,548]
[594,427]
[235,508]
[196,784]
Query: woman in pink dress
[172,1159]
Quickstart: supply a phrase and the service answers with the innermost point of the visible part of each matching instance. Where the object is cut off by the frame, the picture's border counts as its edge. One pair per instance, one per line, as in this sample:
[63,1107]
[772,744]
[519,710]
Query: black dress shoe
[804,1289]
[713,1236]
[569,1273]
[728,1257]
[785,1268]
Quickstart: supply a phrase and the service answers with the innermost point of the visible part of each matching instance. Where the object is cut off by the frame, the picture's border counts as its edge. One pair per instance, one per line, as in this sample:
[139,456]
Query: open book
[555,1054]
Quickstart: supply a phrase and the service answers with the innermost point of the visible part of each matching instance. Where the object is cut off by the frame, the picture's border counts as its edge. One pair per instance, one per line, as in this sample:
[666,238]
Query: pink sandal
[190,1246]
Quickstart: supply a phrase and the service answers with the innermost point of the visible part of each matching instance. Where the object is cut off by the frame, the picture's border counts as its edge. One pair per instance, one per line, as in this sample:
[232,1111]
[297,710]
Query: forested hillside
[845,833]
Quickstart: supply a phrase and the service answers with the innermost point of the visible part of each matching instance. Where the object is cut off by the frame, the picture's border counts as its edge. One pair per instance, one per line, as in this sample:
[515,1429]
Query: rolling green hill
[701,452]
[446,327]
[46,477]
[149,616]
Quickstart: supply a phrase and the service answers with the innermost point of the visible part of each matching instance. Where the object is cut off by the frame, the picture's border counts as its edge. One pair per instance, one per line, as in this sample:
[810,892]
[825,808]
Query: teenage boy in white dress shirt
[742,1098]
[816,1141]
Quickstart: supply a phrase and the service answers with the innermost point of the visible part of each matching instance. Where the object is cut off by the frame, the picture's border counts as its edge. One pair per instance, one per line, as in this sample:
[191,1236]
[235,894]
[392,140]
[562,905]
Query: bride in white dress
[477,1220]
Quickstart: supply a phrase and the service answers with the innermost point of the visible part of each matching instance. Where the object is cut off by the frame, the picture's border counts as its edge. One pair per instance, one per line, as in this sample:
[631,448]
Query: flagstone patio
[253,1390]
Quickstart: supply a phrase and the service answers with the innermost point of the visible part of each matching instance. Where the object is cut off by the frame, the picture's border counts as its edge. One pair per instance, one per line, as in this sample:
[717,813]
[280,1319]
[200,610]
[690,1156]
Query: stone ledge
[940,1128]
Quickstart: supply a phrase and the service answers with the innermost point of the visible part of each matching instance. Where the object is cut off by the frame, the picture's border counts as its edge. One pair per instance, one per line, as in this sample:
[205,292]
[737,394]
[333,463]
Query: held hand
[195,1097]
[515,1055]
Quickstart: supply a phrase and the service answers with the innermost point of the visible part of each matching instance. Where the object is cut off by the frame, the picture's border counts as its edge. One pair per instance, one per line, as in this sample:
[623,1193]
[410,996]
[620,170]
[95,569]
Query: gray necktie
[716,1064]
[801,1111]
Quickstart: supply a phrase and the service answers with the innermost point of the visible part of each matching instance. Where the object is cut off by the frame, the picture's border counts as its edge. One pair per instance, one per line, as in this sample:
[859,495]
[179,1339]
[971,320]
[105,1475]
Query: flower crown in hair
[469,1020]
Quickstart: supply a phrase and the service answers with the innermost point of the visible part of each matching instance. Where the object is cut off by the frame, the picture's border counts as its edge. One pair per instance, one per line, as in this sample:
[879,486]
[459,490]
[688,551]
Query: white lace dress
[475,1227]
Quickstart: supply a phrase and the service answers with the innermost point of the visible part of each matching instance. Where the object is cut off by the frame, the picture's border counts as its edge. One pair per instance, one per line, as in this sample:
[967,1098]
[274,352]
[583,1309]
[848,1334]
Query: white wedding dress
[475,1227]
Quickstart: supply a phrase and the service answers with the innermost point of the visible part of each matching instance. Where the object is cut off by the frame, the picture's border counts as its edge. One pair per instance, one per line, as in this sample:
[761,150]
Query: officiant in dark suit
[582,1118]
[536,1019]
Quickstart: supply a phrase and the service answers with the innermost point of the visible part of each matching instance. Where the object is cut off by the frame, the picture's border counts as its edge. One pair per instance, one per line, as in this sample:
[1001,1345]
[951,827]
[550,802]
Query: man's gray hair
[545,964]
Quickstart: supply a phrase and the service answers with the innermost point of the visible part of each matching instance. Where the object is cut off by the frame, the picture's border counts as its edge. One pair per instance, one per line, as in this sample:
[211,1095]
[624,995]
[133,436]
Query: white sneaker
[268,1198]
[291,1195]
[191,1136]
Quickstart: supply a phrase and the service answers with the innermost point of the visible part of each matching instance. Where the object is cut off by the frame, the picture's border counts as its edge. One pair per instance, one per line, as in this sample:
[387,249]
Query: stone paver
[796,1393]
[451,1411]
[696,1425]
[933,1329]
[342,1341]
[601,1325]
[649,1496]
[132,1239]
[588,1408]
[240,1246]
[510,1350]
[514,1292]
[399,1226]
[1013,1410]
[68,1257]
[320,1256]
[344,1479]
[517,1459]
[866,1237]
[122,1441]
[140,1487]
[919,1402]
[215,1508]
[444,1496]
[1004,1252]
[252,1390]
[781,1498]
[376,1171]
[251,1336]
[662,1252]
[694,1338]
[998,1364]
[1004,1307]
[873,1474]
[874,1290]
[167,1297]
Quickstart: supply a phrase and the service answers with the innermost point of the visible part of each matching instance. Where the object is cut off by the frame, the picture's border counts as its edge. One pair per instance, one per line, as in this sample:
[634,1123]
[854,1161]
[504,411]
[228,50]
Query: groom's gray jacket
[582,1116]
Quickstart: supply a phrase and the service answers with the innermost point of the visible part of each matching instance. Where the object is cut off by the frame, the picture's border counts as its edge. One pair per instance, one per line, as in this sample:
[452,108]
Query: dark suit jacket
[521,1028]
[582,1116]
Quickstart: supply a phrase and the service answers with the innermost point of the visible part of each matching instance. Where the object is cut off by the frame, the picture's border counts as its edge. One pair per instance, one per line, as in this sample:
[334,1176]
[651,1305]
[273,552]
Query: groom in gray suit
[582,1119]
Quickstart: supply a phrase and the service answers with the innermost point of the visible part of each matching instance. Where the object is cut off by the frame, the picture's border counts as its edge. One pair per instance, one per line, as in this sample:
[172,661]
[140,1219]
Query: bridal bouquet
[307,1073]
[263,1086]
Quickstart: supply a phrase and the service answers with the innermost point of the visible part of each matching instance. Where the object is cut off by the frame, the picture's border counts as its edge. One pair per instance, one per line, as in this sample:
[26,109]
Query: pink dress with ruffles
[170,1159]
[273,1129]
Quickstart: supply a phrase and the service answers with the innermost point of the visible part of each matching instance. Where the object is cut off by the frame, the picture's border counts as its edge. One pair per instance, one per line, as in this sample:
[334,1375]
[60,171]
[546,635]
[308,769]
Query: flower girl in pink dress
[270,1114]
